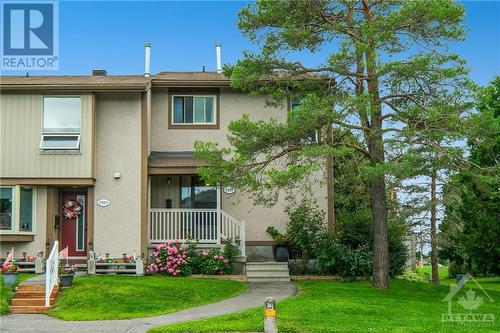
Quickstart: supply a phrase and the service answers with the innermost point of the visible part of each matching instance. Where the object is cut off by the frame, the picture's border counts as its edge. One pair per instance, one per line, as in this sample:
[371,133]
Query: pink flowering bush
[169,258]
[9,268]
[214,262]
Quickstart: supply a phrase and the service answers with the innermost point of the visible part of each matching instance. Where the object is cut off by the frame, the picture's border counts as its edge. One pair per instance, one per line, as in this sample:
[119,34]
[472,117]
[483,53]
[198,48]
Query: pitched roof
[213,79]
[113,82]
[64,82]
[173,159]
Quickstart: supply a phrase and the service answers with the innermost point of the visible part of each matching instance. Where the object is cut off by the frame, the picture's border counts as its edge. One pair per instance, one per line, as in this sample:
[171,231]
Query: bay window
[61,123]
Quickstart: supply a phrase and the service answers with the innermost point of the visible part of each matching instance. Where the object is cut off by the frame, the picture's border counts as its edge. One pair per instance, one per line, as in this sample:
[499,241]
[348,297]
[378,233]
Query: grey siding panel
[21,129]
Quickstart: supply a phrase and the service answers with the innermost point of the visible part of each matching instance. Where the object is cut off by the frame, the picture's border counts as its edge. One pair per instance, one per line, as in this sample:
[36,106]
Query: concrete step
[268,279]
[267,274]
[29,309]
[267,263]
[31,301]
[260,268]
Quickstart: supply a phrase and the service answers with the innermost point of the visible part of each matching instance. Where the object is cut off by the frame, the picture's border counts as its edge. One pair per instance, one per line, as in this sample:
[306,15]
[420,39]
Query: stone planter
[66,280]
[9,278]
[280,252]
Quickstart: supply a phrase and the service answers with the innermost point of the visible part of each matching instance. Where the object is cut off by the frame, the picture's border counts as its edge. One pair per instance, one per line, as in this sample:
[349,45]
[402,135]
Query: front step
[267,272]
[29,309]
[31,301]
[30,298]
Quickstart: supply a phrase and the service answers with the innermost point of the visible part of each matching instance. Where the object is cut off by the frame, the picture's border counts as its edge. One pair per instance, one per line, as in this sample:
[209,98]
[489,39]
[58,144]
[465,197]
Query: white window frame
[16,212]
[172,114]
[65,135]
[61,134]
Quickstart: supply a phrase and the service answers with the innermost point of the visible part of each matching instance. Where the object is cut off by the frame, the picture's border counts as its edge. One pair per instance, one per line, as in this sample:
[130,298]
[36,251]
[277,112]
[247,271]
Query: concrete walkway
[253,297]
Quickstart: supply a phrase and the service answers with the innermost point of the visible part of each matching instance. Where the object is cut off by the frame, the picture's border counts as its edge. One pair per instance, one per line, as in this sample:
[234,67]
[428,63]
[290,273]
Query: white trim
[214,122]
[83,221]
[65,135]
[61,133]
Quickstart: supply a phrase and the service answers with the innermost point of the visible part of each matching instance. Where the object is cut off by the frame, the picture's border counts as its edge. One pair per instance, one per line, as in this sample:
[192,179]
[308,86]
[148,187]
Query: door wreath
[71,209]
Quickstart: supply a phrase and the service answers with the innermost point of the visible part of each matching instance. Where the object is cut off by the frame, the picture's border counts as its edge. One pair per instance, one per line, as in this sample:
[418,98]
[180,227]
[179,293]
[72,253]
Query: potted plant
[66,274]
[9,273]
[280,248]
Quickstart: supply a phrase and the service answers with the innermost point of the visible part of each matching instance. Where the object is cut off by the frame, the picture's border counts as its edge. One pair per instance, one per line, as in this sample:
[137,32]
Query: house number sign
[103,202]
[229,190]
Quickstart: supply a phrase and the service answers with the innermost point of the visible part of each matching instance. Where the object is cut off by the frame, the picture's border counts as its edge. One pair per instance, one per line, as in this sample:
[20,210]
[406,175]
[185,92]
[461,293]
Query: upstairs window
[189,110]
[311,138]
[61,123]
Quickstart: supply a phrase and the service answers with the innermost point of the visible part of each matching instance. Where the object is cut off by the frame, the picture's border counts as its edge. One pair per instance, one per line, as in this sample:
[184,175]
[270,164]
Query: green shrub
[358,233]
[349,263]
[231,248]
[454,269]
[305,228]
[410,276]
[214,263]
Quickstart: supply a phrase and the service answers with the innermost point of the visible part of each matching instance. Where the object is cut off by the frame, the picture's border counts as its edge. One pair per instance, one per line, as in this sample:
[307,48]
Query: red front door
[74,223]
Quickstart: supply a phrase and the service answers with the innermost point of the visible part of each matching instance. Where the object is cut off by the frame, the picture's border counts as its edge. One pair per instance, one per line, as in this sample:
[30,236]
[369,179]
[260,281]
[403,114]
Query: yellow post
[270,324]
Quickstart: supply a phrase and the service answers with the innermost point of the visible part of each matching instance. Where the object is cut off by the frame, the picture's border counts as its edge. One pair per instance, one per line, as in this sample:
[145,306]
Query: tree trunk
[375,142]
[434,250]
[380,244]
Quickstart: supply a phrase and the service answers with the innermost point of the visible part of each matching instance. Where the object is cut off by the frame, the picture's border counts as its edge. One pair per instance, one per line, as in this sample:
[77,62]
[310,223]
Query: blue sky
[111,35]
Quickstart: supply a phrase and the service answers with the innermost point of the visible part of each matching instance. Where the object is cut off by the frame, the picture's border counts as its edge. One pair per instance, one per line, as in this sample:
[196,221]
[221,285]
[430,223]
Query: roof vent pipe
[219,60]
[147,63]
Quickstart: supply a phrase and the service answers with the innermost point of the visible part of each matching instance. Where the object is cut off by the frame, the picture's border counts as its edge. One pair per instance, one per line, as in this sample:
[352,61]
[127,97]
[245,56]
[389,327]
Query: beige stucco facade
[119,130]
[117,227]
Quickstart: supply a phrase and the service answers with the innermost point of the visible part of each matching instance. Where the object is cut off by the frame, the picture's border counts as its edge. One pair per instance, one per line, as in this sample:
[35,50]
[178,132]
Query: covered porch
[183,207]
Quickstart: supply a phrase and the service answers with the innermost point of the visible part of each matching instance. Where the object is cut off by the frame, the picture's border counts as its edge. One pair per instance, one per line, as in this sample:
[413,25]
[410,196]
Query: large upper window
[61,123]
[193,110]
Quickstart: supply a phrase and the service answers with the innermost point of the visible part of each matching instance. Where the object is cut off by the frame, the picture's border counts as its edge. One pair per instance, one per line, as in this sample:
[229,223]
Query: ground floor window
[17,208]
[182,191]
[6,207]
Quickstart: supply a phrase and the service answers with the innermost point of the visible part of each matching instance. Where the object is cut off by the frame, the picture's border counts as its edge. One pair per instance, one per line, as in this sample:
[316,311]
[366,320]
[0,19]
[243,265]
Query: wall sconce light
[169,181]
[117,174]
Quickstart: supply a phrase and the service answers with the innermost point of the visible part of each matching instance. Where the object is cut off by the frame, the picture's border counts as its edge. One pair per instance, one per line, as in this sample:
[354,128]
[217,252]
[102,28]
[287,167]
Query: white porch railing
[208,226]
[51,272]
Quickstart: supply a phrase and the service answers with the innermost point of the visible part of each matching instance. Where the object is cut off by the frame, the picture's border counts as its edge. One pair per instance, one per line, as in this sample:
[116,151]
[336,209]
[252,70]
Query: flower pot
[9,278]
[280,252]
[66,280]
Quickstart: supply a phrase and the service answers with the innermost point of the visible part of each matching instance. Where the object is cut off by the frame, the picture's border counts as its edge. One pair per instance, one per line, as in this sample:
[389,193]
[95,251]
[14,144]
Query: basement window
[61,123]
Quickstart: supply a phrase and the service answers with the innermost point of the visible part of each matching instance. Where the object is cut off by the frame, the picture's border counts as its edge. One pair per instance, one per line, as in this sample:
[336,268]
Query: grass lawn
[6,292]
[443,272]
[332,306]
[121,297]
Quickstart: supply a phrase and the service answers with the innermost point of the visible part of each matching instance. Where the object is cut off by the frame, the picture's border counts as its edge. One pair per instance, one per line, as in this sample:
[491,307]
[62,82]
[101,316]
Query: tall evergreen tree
[384,67]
